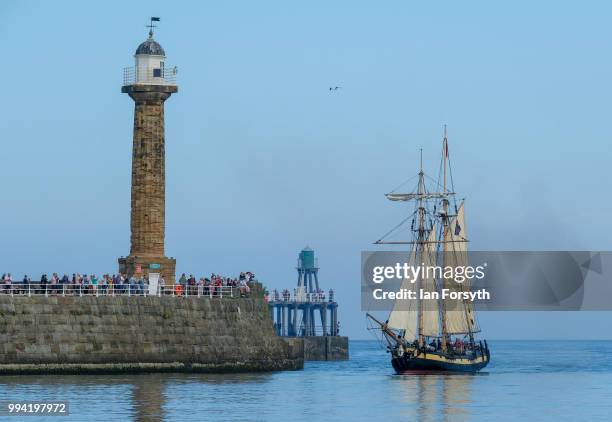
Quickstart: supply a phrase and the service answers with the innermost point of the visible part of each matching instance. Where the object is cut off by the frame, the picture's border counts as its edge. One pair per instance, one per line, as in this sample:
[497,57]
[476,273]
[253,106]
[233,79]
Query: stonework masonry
[139,334]
[316,348]
[148,205]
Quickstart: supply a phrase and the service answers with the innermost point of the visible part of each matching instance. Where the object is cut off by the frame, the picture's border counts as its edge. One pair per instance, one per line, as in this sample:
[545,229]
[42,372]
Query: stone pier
[122,334]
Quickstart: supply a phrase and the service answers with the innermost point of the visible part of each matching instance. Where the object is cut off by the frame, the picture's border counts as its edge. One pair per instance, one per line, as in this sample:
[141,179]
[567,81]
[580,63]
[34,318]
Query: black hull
[431,362]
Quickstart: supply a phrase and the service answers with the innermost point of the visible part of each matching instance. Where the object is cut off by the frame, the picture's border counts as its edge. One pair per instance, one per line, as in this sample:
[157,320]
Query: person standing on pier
[162,284]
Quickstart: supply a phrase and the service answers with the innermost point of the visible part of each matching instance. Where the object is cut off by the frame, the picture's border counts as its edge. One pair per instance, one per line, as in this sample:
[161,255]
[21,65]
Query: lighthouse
[150,82]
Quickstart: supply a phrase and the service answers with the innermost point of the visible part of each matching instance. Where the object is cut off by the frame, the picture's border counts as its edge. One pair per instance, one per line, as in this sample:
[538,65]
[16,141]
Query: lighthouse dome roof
[150,47]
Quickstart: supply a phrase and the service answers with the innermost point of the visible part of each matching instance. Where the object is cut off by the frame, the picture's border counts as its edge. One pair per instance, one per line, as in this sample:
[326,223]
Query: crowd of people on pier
[215,283]
[118,284]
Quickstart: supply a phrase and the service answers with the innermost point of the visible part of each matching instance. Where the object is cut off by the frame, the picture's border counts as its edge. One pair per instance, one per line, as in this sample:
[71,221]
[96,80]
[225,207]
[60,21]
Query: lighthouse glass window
[159,73]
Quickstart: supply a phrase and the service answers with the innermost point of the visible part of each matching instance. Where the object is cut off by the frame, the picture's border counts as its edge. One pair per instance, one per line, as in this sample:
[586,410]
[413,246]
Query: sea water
[526,380]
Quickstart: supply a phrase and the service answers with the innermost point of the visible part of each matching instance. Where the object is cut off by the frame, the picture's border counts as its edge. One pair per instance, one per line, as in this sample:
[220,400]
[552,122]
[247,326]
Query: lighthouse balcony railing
[137,76]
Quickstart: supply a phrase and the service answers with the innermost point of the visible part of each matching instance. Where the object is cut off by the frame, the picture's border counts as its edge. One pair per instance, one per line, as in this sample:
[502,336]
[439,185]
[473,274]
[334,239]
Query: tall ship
[440,335]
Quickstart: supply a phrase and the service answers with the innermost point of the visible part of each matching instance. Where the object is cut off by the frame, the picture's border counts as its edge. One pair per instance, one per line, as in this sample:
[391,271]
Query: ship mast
[420,244]
[446,229]
[445,244]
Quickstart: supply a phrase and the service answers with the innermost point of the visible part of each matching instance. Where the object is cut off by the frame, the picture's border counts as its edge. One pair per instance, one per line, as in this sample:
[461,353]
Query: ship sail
[460,317]
[407,320]
[431,310]
[416,195]
[400,317]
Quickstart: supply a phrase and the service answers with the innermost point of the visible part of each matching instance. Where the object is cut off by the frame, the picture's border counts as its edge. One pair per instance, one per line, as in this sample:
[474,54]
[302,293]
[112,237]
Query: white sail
[431,310]
[460,316]
[404,316]
[407,319]
[417,195]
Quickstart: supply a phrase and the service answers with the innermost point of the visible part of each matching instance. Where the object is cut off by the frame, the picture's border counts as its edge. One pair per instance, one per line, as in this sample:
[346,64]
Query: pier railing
[61,289]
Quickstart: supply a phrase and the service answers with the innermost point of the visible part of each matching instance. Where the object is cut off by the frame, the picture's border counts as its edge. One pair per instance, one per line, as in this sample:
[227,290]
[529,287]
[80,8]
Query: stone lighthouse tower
[149,83]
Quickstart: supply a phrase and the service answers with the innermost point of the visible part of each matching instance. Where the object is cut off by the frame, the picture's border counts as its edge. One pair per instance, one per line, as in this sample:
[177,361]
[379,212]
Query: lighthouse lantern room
[150,64]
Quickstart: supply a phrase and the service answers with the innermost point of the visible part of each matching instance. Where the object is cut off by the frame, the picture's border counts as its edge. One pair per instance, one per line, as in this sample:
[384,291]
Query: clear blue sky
[262,159]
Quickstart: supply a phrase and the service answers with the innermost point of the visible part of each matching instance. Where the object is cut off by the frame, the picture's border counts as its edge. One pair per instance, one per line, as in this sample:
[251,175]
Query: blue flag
[457,229]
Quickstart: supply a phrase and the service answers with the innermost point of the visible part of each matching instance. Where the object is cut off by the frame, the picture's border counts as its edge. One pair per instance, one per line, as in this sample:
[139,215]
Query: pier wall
[320,347]
[89,334]
[326,348]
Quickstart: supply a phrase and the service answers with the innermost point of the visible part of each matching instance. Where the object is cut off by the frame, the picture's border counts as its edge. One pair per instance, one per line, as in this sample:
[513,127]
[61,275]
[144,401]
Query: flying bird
[334,88]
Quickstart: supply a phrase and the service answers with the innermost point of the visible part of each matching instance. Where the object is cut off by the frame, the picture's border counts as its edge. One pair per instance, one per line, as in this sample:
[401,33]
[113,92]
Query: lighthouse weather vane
[151,26]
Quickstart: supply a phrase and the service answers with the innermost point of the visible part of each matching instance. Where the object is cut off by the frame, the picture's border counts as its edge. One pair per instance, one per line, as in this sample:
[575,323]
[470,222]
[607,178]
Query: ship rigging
[439,335]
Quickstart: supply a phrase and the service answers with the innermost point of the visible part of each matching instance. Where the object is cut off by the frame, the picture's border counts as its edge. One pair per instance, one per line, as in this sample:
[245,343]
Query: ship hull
[432,363]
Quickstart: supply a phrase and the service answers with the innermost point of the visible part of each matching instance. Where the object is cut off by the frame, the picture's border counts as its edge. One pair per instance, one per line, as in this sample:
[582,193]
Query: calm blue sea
[526,380]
